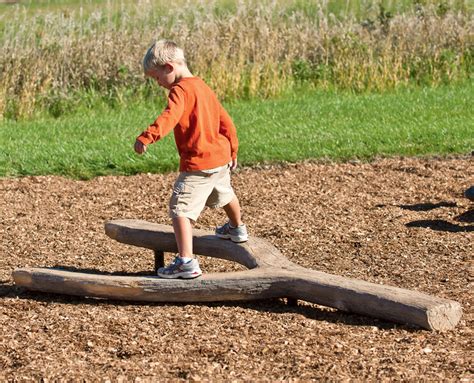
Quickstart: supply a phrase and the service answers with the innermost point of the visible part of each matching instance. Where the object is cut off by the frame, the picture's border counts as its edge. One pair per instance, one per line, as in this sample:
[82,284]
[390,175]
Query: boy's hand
[139,147]
[233,165]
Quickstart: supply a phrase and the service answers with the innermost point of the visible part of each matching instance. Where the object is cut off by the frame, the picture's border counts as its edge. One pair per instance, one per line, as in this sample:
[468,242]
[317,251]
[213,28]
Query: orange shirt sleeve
[167,120]
[227,129]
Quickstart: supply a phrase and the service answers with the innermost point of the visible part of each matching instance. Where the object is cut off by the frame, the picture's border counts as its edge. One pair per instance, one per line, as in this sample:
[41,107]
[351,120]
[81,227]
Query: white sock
[186,259]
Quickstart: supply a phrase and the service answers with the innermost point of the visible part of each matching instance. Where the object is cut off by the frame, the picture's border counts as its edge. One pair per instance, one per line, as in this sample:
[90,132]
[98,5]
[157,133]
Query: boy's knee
[176,214]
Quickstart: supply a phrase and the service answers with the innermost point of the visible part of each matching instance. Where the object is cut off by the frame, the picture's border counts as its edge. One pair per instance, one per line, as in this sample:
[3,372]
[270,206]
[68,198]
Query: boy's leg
[184,265]
[235,228]
[187,201]
[232,209]
[183,232]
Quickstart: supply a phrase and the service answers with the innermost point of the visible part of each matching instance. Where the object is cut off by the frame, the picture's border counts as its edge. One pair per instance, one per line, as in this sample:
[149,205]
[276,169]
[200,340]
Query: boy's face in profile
[164,75]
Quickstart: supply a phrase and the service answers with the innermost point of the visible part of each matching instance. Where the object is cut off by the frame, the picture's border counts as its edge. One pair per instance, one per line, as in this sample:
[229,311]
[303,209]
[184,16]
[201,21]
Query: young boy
[207,144]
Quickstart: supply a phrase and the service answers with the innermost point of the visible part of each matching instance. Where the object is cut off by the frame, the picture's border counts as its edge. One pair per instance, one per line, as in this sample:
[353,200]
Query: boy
[206,140]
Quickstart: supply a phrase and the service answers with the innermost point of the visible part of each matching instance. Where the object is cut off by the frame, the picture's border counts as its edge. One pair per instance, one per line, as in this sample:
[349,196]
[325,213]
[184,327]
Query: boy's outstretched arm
[165,122]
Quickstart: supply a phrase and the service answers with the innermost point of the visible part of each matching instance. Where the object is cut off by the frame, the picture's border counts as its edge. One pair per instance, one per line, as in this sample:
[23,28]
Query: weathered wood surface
[271,275]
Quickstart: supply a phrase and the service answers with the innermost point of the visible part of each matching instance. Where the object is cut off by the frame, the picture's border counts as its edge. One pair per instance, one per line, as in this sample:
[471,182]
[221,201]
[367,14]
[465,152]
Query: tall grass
[62,59]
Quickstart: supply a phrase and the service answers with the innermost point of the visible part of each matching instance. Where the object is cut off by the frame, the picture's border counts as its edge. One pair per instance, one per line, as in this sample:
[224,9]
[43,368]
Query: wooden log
[271,276]
[236,286]
[254,253]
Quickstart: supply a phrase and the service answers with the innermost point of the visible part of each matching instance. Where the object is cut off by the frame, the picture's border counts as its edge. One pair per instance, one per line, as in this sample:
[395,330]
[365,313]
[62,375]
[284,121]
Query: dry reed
[52,61]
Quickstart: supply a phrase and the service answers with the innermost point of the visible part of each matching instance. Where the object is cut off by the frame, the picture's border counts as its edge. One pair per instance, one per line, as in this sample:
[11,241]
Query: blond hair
[162,52]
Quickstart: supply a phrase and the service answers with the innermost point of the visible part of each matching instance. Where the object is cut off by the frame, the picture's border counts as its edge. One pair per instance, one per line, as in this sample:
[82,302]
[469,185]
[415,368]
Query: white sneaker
[236,234]
[180,269]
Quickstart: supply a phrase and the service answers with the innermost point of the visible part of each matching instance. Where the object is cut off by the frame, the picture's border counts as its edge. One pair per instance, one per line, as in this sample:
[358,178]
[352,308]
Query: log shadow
[143,273]
[276,305]
[467,216]
[314,312]
[440,225]
[8,290]
[427,206]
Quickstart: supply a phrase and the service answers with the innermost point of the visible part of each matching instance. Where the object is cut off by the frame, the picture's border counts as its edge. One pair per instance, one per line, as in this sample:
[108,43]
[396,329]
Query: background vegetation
[58,56]
[329,79]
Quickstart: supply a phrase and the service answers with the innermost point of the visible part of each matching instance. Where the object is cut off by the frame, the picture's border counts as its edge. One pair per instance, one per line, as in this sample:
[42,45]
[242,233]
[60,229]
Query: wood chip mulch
[399,221]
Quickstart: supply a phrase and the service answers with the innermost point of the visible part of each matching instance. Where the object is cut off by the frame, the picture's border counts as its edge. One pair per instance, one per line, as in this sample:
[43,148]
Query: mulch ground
[402,222]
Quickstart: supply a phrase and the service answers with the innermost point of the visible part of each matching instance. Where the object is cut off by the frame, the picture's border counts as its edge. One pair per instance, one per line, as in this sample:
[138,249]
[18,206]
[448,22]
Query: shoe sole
[187,275]
[233,238]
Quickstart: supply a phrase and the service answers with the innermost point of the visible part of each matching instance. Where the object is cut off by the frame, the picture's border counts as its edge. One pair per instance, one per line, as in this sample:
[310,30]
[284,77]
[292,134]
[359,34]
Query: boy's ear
[169,67]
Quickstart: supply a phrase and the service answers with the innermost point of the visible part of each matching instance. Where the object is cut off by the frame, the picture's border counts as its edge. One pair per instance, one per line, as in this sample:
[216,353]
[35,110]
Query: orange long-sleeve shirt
[205,135]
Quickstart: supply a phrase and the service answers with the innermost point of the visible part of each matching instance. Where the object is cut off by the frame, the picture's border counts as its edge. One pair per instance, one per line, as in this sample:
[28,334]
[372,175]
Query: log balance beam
[270,275]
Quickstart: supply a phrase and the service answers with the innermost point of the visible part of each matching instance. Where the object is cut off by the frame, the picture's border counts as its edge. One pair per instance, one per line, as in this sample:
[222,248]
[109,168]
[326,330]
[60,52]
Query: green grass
[307,125]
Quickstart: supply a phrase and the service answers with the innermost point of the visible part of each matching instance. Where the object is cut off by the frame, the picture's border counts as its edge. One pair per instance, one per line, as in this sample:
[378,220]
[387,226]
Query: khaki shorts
[194,190]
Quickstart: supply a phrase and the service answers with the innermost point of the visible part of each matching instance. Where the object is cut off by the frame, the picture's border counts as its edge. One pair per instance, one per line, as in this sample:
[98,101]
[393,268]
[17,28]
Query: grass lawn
[299,126]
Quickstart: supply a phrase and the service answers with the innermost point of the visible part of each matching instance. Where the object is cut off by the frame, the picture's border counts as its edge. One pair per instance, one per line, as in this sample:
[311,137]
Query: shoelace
[174,264]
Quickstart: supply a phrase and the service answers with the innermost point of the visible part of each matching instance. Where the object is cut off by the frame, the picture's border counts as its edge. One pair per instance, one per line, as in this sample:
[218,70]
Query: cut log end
[445,316]
[22,278]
